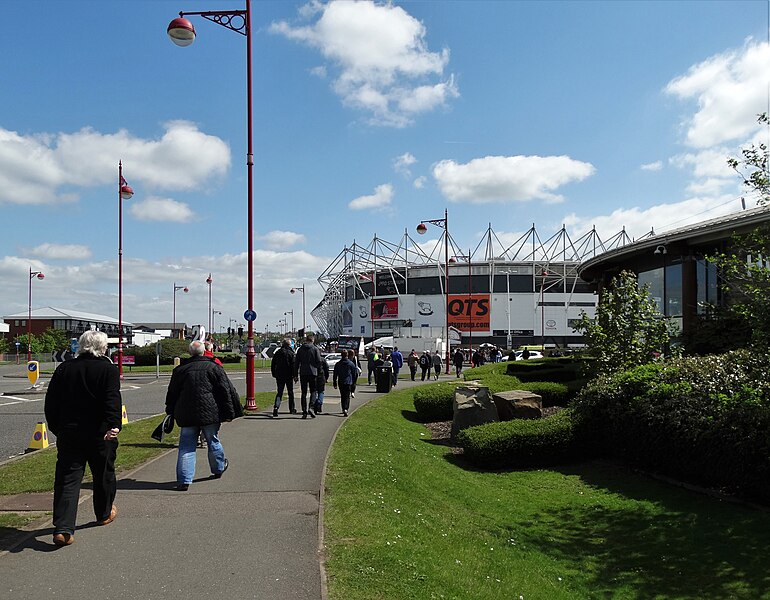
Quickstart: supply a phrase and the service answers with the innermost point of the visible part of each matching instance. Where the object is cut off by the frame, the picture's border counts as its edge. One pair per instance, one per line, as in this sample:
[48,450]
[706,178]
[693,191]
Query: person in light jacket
[437,363]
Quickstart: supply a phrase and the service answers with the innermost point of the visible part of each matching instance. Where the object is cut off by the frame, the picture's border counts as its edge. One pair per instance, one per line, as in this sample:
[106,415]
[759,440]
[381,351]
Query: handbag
[165,426]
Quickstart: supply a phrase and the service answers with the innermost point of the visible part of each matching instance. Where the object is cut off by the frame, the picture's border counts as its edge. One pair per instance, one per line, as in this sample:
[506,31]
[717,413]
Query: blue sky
[368,117]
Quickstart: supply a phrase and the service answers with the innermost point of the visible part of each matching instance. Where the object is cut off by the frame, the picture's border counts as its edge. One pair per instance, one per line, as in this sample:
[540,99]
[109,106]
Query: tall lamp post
[182,33]
[290,312]
[124,193]
[32,275]
[185,289]
[421,229]
[209,281]
[301,289]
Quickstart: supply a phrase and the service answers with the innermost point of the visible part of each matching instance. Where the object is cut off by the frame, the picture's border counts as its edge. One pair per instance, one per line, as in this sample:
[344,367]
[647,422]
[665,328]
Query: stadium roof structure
[356,263]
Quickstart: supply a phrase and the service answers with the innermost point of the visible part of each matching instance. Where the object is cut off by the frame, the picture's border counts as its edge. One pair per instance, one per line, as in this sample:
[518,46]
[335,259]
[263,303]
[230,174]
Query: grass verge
[35,471]
[406,518]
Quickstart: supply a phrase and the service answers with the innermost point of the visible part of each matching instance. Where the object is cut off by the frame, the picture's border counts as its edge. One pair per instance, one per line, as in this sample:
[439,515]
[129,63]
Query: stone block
[518,404]
[472,406]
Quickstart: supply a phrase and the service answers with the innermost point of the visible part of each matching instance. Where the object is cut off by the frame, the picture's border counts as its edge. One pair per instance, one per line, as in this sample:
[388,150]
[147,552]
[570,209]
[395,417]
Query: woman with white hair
[83,408]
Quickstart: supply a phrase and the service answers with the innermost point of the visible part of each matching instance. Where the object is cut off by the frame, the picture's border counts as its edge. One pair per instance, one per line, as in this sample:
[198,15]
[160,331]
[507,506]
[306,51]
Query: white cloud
[419,183]
[147,295]
[45,168]
[402,163]
[162,209]
[319,72]
[730,89]
[383,63]
[50,251]
[280,240]
[661,217]
[379,201]
[653,166]
[508,178]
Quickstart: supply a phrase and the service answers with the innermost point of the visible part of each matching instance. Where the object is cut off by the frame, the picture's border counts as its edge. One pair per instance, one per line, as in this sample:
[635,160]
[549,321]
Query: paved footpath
[254,533]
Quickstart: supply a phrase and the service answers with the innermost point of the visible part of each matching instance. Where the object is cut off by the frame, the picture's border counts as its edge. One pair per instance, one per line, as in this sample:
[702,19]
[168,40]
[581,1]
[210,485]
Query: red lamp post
[124,193]
[209,281]
[32,275]
[182,33]
[421,229]
[185,289]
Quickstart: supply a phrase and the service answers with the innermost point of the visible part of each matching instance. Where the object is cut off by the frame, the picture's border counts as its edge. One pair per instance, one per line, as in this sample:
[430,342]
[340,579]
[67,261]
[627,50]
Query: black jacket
[83,397]
[200,393]
[282,364]
[308,361]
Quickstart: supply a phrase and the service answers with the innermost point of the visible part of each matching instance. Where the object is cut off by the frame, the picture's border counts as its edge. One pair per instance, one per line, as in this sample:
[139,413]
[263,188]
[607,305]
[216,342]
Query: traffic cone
[124,415]
[39,438]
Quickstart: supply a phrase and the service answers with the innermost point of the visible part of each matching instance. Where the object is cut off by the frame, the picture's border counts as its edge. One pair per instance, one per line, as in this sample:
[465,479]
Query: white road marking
[19,400]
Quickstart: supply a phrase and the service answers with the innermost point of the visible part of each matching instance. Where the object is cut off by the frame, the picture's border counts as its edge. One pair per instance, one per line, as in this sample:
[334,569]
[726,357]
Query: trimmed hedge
[552,394]
[705,420]
[434,402]
[522,443]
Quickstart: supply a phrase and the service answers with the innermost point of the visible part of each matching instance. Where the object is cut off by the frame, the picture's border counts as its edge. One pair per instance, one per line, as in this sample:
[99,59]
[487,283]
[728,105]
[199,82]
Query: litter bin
[383,377]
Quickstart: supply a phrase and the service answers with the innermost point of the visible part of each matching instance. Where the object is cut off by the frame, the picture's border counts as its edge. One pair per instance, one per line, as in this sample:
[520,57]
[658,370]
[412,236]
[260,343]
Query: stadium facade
[524,293]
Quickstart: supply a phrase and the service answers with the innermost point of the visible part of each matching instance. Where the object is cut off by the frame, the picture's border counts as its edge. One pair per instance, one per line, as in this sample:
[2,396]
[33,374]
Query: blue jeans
[188,442]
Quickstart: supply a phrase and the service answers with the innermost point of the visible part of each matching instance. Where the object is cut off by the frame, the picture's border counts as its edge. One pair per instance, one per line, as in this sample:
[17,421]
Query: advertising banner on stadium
[384,308]
[469,312]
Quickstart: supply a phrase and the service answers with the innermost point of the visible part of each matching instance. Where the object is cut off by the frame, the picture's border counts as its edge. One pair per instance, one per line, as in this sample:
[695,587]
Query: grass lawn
[405,518]
[35,471]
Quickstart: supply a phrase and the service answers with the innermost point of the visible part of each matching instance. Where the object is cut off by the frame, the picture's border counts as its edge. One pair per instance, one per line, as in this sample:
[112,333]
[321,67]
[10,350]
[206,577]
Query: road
[143,396]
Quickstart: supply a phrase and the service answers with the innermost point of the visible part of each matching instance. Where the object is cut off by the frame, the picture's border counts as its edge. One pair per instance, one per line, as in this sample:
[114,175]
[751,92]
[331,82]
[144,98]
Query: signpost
[33,372]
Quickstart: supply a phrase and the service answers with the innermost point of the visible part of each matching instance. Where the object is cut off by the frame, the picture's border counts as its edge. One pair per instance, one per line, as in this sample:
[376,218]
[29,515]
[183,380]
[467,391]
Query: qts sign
[469,312]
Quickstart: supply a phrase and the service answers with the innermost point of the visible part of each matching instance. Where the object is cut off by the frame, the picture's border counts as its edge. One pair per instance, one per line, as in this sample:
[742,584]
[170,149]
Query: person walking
[425,364]
[83,408]
[209,351]
[371,359]
[398,361]
[458,360]
[282,369]
[345,373]
[306,365]
[320,385]
[437,363]
[478,358]
[354,359]
[412,361]
[200,397]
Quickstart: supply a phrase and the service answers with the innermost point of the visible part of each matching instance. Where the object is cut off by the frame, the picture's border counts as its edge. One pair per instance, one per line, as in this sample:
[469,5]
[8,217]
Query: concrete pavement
[254,533]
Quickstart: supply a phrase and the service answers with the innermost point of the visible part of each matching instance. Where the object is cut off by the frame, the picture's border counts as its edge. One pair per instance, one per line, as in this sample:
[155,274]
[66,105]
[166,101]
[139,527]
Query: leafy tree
[628,329]
[745,268]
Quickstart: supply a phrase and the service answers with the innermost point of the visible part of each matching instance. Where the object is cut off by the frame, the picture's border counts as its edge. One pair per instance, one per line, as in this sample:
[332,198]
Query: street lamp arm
[224,18]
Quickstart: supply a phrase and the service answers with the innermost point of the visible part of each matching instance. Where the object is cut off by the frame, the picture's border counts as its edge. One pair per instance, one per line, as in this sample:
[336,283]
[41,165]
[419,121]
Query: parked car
[532,354]
[332,358]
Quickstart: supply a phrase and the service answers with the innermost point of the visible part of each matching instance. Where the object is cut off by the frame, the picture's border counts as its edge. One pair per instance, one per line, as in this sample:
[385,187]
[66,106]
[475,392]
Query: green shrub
[522,443]
[434,402]
[229,357]
[552,394]
[701,419]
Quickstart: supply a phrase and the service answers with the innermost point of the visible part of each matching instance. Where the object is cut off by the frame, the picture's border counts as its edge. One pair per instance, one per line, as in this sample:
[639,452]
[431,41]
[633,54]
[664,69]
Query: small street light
[32,275]
[185,289]
[301,289]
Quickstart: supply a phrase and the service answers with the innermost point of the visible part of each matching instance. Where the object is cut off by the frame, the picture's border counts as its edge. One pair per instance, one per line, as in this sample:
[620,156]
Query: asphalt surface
[143,396]
[254,533]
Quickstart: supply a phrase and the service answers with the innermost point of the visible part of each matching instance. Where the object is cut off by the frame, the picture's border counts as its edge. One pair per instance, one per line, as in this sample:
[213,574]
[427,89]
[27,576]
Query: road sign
[33,371]
[250,315]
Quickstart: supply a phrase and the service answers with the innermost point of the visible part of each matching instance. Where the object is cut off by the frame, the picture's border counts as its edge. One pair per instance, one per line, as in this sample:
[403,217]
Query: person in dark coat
[200,397]
[458,359]
[412,360]
[83,408]
[426,362]
[320,385]
[306,365]
[398,361]
[345,373]
[282,368]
